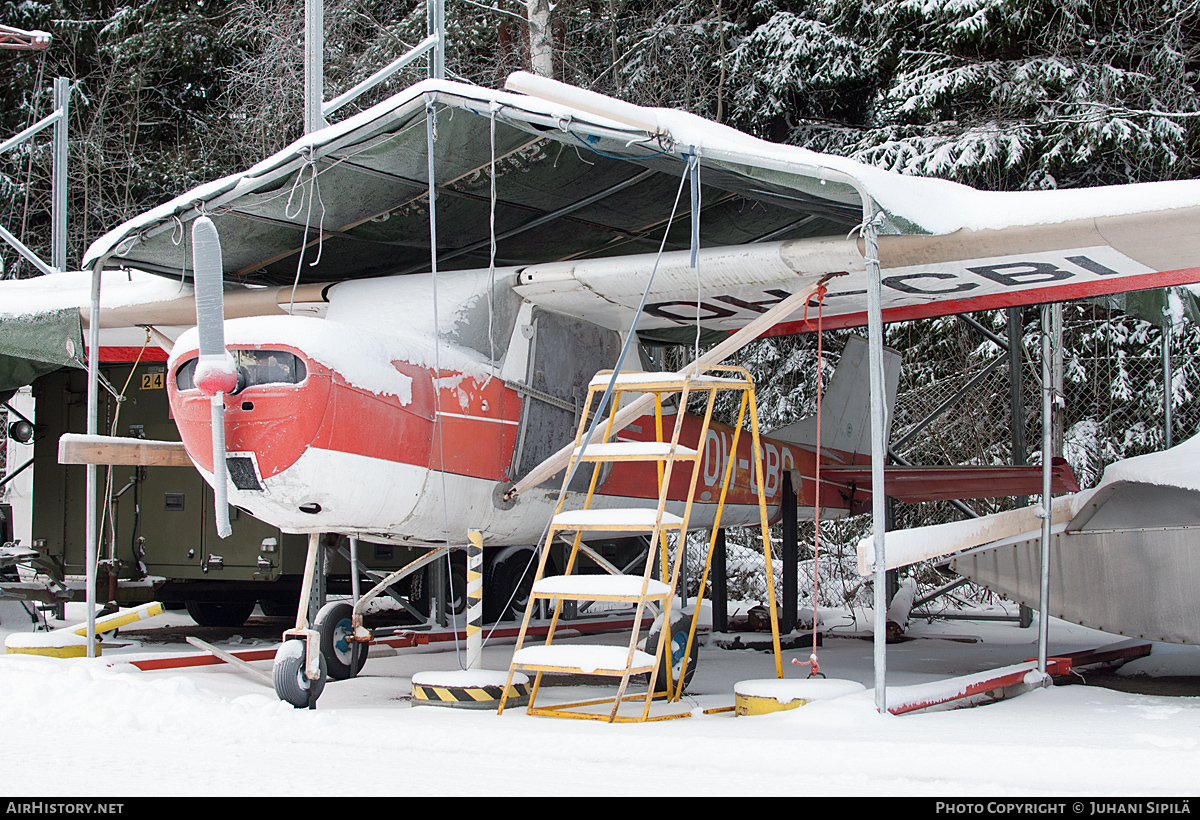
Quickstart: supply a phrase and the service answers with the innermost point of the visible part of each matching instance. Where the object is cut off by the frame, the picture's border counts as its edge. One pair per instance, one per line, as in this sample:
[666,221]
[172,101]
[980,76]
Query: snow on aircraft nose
[318,404]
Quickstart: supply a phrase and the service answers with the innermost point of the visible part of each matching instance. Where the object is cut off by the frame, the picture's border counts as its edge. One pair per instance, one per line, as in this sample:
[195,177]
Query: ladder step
[634,451]
[582,659]
[638,519]
[600,588]
[653,382]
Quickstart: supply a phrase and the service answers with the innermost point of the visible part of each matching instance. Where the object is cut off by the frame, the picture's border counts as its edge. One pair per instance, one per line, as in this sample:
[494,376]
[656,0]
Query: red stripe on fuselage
[278,422]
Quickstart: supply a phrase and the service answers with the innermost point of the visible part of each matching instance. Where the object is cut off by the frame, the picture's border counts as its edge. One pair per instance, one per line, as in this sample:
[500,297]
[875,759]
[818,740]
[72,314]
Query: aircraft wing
[1157,490]
[585,186]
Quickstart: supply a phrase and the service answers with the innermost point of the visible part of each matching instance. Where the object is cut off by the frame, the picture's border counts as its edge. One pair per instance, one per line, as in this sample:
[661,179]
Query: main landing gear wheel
[679,636]
[343,657]
[288,676]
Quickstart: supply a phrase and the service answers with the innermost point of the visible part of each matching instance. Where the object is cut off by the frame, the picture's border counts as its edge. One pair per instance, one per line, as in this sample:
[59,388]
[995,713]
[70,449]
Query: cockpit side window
[255,367]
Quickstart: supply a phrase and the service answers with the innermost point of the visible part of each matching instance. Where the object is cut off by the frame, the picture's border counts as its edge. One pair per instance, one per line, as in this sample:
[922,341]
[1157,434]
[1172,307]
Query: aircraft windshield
[255,367]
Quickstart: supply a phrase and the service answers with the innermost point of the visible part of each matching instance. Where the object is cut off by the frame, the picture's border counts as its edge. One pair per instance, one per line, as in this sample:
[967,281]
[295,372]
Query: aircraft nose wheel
[343,657]
[288,676]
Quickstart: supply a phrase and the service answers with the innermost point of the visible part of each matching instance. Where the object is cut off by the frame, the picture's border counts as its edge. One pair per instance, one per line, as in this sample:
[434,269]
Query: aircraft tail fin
[846,405]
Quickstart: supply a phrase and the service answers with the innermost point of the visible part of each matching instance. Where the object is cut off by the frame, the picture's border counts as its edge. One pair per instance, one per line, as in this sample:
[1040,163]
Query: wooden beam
[79,449]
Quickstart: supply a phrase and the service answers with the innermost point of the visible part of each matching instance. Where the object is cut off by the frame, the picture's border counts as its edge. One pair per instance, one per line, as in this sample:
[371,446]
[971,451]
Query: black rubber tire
[512,568]
[343,658]
[223,613]
[288,676]
[679,636]
[280,608]
[418,590]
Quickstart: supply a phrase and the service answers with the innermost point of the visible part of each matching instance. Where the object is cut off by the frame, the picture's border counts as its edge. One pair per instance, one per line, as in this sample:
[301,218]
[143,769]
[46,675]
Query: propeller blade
[216,371]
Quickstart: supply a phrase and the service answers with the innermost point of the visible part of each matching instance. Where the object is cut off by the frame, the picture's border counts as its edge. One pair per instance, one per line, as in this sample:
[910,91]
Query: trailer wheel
[223,613]
[512,569]
[280,607]
[343,658]
[288,676]
[419,586]
[679,636]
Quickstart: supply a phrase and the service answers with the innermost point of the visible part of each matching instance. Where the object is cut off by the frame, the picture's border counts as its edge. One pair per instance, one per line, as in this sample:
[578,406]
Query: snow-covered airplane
[438,391]
[1122,554]
[370,396]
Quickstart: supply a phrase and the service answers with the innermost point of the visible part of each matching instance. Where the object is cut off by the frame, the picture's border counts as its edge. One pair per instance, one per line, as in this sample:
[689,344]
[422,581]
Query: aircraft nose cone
[215,377]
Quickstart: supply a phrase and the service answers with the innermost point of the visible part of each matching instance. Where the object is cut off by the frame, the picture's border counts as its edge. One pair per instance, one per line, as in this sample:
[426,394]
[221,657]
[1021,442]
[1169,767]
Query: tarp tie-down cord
[108,483]
[314,192]
[815,668]
[431,135]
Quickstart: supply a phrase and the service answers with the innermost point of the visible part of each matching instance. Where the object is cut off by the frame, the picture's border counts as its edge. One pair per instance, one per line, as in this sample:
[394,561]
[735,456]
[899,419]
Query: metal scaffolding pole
[1168,393]
[58,185]
[436,10]
[93,401]
[878,449]
[314,65]
[1048,326]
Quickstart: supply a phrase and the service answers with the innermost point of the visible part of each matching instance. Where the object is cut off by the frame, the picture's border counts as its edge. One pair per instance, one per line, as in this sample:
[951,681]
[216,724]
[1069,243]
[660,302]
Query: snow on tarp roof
[570,184]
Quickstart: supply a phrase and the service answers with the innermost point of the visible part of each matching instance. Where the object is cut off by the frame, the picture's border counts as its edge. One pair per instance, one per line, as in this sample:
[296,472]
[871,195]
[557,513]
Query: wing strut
[641,405]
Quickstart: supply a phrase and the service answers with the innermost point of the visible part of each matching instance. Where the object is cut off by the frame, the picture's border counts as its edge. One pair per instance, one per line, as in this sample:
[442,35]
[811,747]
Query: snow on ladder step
[637,518]
[652,381]
[585,658]
[633,451]
[599,588]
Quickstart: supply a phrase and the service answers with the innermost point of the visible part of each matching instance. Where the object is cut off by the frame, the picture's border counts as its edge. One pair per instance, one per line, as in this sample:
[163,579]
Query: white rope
[314,192]
[430,139]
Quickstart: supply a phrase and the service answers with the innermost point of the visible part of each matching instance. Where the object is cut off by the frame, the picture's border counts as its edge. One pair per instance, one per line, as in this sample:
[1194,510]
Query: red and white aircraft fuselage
[339,426]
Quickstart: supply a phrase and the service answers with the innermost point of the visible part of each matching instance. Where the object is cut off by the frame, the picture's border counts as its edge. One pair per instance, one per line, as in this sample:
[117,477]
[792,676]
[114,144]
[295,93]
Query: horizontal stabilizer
[912,484]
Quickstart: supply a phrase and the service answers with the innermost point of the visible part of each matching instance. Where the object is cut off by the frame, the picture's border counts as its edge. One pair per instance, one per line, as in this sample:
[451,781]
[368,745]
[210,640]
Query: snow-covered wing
[923,275]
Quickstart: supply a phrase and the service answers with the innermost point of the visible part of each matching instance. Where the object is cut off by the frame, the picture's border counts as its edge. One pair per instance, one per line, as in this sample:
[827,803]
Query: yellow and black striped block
[469,697]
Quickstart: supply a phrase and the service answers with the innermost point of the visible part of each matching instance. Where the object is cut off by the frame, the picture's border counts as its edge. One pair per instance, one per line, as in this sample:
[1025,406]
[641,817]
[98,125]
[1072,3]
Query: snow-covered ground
[102,727]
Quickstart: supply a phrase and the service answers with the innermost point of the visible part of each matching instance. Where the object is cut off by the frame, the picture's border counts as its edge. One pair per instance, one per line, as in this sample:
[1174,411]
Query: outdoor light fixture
[21,431]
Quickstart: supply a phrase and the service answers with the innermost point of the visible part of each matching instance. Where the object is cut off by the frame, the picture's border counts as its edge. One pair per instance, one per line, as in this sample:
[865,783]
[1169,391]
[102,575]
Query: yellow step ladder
[646,591]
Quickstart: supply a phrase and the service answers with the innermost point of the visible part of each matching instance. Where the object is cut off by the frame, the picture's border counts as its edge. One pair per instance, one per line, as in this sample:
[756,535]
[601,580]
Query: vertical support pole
[355,592]
[1016,392]
[791,555]
[720,585]
[1168,393]
[436,13]
[878,450]
[1047,425]
[93,402]
[1058,416]
[474,599]
[314,64]
[58,230]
